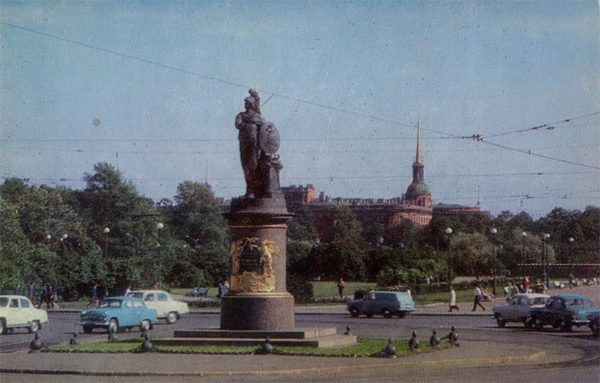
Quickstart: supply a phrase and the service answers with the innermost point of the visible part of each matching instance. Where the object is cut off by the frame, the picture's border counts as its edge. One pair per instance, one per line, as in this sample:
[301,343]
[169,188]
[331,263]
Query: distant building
[450,210]
[416,205]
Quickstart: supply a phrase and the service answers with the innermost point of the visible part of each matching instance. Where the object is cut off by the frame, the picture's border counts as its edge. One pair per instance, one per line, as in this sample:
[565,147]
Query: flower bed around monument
[365,347]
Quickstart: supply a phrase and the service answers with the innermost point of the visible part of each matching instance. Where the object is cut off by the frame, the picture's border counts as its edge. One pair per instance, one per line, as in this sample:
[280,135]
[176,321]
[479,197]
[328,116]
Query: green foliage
[470,253]
[339,224]
[300,288]
[343,259]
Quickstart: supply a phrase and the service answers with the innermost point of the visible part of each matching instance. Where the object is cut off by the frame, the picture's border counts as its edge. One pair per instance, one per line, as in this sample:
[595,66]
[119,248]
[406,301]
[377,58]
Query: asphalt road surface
[62,325]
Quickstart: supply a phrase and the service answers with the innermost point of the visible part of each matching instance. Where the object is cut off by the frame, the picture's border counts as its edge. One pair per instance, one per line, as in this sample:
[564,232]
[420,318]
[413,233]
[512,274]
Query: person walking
[31,292]
[43,296]
[341,285]
[54,297]
[478,295]
[452,300]
[94,295]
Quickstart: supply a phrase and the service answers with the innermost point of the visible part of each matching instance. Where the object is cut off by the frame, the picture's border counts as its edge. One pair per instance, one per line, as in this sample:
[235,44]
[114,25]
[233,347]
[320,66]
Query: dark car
[386,303]
[594,324]
[564,311]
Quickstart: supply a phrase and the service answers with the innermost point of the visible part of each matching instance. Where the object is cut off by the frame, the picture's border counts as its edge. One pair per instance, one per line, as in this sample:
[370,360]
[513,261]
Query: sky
[153,88]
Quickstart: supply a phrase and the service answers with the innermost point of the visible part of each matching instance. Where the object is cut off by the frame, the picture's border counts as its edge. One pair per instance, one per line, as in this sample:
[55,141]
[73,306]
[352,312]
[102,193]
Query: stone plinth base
[267,312]
[310,337]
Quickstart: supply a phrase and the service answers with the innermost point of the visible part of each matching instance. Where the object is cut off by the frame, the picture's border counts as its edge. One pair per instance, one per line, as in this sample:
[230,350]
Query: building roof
[416,189]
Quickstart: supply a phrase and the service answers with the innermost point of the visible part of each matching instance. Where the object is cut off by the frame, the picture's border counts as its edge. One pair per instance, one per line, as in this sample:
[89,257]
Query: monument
[258,305]
[258,299]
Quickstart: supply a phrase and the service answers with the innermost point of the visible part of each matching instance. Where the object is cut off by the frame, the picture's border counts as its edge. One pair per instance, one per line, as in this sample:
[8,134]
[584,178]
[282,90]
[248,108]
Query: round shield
[268,138]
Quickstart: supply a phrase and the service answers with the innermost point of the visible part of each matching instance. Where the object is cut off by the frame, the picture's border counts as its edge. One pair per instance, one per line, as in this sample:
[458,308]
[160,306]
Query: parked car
[386,303]
[594,324]
[116,313]
[17,311]
[166,307]
[564,311]
[519,308]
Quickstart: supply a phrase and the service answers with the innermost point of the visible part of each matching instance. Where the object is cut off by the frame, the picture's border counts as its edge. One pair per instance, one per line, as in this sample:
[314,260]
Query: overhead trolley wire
[547,126]
[220,80]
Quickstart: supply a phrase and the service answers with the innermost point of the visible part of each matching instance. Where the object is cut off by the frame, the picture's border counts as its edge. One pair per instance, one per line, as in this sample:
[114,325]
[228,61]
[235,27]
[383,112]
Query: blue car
[564,311]
[116,313]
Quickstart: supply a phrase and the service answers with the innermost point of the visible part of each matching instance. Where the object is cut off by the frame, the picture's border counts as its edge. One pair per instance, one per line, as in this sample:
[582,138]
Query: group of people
[479,295]
[49,295]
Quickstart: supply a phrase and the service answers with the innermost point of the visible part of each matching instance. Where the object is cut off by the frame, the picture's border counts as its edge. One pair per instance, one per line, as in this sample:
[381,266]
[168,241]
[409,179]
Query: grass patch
[363,348]
[128,345]
[461,296]
[329,289]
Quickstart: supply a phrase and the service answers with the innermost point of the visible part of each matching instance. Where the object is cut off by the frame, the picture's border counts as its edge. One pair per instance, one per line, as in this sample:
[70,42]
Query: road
[469,328]
[62,325]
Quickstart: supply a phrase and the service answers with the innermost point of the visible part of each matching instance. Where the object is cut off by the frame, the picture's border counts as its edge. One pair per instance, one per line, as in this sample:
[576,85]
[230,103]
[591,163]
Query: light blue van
[386,303]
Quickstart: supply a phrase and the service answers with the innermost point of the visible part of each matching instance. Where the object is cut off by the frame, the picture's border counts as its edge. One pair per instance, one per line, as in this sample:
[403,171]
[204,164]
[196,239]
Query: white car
[166,307]
[519,308]
[18,312]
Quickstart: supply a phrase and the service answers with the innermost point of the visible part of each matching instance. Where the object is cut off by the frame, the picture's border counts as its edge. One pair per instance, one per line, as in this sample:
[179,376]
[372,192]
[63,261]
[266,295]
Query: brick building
[415,205]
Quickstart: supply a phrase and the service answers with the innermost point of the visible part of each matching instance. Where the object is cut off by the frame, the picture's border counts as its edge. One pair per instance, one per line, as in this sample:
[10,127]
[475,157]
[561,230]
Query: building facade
[416,205]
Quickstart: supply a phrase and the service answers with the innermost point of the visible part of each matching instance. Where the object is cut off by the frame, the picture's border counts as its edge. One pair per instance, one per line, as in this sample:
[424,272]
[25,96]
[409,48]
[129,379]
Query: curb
[536,357]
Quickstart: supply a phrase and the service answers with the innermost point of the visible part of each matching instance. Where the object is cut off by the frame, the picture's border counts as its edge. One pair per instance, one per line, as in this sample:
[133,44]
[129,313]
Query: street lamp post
[106,231]
[545,238]
[159,227]
[523,236]
[448,232]
[570,241]
[493,232]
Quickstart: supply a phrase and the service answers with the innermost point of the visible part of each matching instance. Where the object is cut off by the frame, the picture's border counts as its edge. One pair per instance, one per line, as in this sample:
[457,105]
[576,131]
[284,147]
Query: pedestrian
[31,292]
[54,297]
[220,290]
[127,291]
[452,300]
[94,295]
[478,295]
[226,287]
[526,284]
[43,295]
[341,285]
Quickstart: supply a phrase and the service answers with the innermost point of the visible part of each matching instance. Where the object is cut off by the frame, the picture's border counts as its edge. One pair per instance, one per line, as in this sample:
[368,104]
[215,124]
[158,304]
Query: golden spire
[418,158]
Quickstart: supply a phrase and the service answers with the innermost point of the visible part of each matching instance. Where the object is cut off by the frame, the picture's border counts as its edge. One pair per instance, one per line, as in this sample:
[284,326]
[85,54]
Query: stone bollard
[434,340]
[390,350]
[147,346]
[74,339]
[453,337]
[266,347]
[35,345]
[414,343]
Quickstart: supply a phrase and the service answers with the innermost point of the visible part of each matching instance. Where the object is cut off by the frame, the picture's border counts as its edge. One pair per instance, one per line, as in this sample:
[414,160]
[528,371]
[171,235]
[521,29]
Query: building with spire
[416,205]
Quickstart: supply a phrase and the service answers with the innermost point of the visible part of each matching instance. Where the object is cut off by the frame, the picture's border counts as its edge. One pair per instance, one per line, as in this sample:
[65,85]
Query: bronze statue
[259,142]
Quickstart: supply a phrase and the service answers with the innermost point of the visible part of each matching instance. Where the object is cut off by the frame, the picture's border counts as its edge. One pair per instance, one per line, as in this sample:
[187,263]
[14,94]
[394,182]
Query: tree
[470,254]
[338,223]
[196,218]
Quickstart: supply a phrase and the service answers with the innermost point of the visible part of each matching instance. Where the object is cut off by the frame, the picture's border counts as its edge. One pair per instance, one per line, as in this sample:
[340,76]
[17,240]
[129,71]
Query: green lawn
[461,296]
[364,348]
[212,291]
[329,289]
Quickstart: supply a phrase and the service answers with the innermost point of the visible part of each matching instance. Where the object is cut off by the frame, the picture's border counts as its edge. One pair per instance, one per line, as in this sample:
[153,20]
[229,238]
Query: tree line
[108,233]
